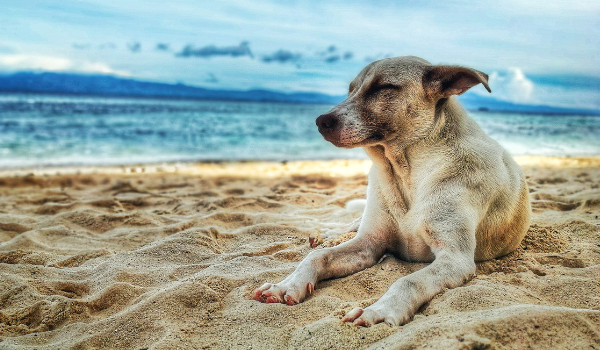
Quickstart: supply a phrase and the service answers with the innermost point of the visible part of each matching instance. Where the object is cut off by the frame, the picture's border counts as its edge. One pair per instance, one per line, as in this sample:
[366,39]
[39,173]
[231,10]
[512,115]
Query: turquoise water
[45,130]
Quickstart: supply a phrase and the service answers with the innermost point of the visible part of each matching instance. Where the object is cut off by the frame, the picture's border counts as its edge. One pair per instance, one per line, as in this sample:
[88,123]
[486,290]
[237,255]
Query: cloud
[55,64]
[328,51]
[512,86]
[282,56]
[79,46]
[243,49]
[162,47]
[212,79]
[134,46]
[332,55]
[332,58]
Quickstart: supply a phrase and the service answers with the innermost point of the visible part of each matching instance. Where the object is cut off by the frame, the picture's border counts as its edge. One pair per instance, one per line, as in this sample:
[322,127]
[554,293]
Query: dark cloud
[79,46]
[211,79]
[332,58]
[162,47]
[332,55]
[328,51]
[134,46]
[282,56]
[243,49]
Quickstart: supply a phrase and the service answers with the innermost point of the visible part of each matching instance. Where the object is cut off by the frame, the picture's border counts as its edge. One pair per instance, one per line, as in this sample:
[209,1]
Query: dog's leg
[406,295]
[347,258]
[452,241]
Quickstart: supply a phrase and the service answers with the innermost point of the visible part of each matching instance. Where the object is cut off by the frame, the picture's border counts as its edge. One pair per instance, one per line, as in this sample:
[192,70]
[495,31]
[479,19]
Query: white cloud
[512,86]
[55,64]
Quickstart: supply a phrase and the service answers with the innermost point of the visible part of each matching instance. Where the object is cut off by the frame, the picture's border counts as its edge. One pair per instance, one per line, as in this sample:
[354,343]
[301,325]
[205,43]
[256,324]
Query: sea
[54,131]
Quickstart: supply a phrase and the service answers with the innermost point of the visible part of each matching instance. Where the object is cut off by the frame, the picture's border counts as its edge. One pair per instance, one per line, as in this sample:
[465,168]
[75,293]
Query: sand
[167,257]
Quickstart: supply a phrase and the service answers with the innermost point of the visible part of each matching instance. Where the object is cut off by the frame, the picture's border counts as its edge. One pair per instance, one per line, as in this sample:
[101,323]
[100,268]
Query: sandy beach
[167,257]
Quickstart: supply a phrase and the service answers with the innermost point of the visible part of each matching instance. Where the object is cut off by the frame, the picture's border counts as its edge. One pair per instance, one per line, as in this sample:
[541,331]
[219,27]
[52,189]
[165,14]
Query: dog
[439,191]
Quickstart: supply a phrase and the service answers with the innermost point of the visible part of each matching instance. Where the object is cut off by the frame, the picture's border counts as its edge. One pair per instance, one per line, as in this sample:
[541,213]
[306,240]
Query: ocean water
[46,130]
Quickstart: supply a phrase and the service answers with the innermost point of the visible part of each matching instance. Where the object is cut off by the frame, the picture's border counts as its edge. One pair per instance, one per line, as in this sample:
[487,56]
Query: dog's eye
[383,87]
[386,87]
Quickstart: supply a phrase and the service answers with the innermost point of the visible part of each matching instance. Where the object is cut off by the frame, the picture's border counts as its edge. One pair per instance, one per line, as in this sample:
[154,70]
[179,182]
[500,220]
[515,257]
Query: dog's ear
[446,81]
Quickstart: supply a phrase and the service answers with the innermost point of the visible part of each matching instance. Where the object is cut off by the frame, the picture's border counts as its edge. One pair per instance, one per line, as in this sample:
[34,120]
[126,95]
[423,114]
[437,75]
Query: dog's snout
[327,122]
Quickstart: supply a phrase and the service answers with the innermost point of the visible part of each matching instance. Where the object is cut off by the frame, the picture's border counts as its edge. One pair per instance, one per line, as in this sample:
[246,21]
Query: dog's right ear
[445,81]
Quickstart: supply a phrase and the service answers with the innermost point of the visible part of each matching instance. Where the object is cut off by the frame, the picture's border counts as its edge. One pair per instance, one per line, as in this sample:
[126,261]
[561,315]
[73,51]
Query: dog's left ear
[446,81]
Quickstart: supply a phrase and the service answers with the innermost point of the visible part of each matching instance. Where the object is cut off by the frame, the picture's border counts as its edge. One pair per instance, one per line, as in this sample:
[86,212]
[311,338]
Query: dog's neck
[451,122]
[396,159]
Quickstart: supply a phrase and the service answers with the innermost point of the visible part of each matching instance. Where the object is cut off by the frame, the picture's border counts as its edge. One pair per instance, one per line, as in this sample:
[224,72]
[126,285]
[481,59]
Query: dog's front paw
[376,314]
[283,293]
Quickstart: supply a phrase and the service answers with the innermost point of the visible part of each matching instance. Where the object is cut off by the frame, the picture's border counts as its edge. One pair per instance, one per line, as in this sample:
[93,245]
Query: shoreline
[216,168]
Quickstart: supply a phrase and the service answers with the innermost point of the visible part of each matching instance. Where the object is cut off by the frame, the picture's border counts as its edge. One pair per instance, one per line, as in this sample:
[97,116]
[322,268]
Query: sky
[535,52]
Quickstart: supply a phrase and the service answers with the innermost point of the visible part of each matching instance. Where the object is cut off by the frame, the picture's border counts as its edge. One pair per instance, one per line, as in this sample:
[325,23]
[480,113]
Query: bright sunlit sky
[536,52]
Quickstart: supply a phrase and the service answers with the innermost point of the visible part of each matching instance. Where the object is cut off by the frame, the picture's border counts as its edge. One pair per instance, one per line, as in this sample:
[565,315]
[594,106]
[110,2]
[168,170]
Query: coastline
[333,167]
[167,256]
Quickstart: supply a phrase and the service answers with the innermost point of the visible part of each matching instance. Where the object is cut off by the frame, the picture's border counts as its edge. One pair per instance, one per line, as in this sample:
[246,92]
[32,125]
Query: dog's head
[394,100]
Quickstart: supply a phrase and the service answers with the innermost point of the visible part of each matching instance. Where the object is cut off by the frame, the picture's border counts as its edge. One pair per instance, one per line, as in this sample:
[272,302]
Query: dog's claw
[314,240]
[353,315]
[290,300]
[360,322]
[272,299]
[273,293]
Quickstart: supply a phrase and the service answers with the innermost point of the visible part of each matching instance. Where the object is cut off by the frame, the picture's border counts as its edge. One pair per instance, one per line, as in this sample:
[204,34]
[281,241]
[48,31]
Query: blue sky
[536,52]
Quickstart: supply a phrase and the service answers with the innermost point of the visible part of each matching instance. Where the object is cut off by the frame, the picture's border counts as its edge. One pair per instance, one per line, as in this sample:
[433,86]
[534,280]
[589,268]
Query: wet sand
[167,257]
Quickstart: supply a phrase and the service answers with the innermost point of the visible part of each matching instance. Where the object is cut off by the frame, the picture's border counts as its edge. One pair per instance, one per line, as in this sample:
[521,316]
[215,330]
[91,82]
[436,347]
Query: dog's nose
[327,122]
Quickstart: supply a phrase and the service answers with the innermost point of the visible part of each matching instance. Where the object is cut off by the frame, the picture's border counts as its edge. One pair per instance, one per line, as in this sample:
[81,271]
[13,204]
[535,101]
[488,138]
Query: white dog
[439,191]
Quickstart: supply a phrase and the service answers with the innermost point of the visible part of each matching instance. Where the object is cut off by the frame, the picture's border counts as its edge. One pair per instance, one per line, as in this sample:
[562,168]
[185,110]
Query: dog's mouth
[347,140]
[376,137]
[331,127]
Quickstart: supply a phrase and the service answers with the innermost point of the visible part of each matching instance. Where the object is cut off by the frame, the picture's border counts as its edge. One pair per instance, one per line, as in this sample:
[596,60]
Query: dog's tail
[356,205]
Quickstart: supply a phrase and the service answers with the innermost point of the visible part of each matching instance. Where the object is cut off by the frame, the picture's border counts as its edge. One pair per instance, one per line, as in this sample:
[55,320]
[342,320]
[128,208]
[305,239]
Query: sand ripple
[167,260]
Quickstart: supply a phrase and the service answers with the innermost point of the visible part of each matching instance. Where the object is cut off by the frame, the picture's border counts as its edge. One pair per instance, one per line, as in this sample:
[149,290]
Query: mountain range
[106,85]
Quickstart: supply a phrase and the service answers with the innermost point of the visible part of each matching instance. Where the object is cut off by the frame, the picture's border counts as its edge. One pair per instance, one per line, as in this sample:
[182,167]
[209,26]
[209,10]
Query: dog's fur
[439,191]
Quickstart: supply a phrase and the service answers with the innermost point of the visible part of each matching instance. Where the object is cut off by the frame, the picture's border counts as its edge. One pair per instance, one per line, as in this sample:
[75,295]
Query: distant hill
[474,102]
[105,85]
[61,83]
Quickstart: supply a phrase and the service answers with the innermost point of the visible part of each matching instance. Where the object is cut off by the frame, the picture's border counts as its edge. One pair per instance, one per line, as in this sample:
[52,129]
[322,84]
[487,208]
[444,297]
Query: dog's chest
[394,188]
[396,199]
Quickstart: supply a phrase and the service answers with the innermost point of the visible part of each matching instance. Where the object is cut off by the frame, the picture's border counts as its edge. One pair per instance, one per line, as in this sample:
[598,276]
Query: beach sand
[167,257]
